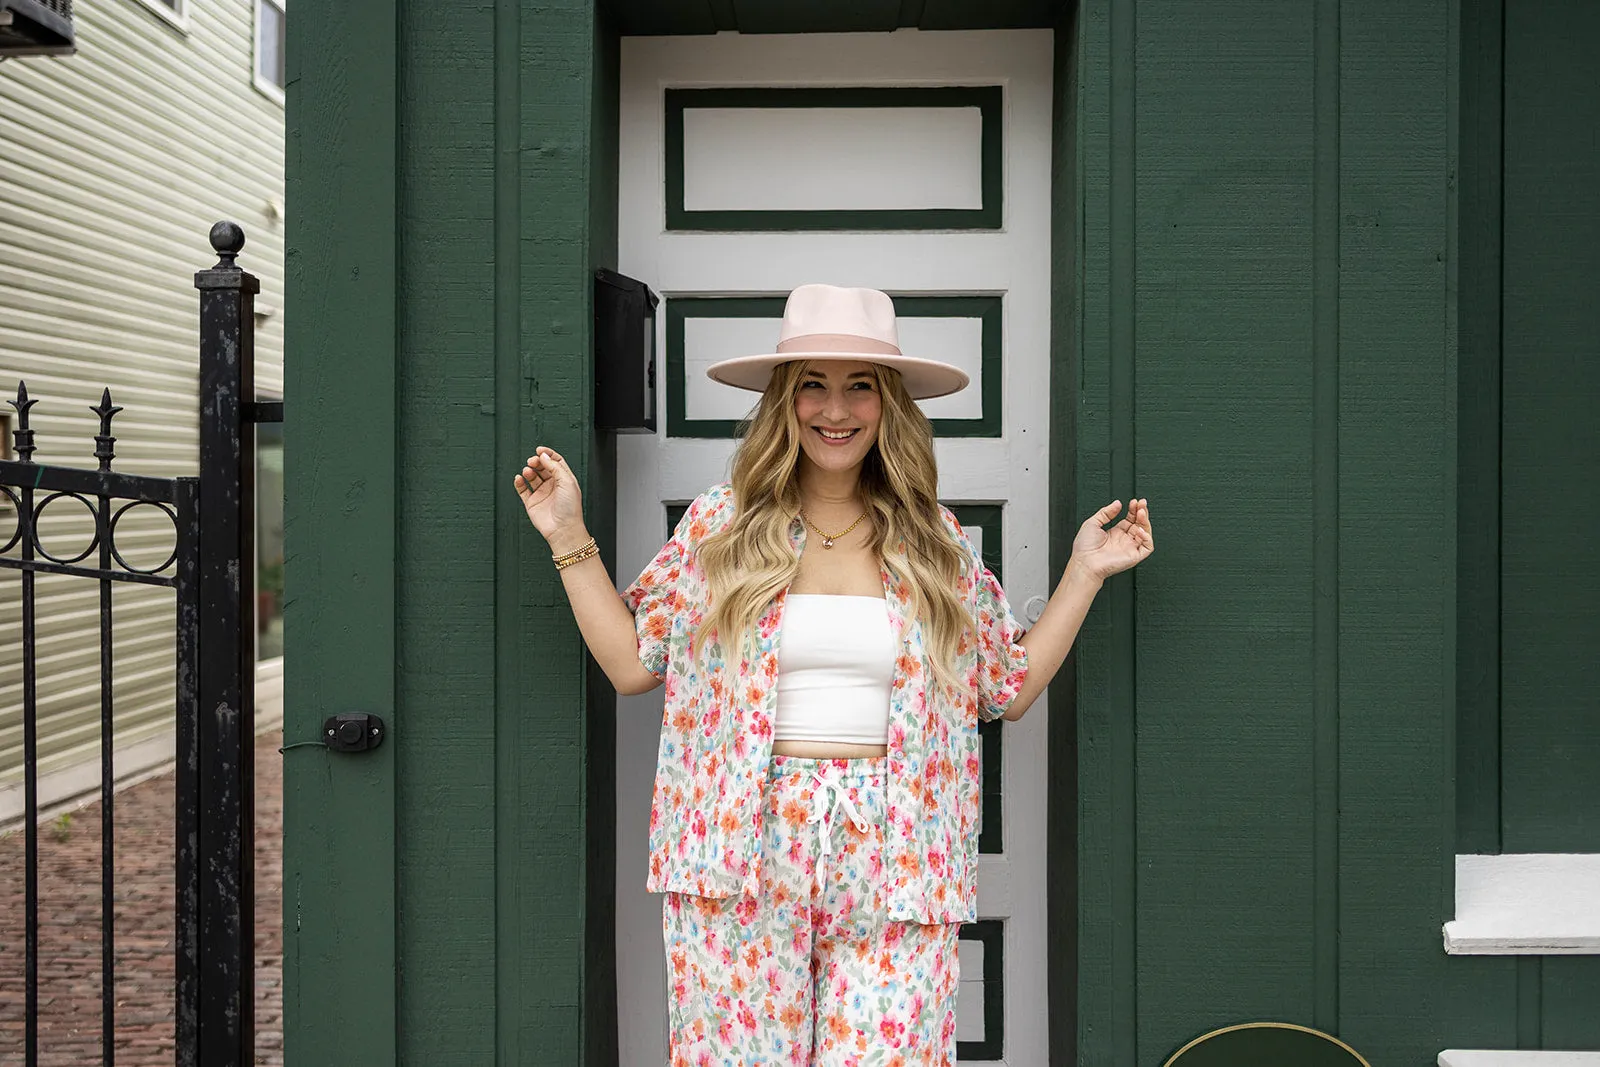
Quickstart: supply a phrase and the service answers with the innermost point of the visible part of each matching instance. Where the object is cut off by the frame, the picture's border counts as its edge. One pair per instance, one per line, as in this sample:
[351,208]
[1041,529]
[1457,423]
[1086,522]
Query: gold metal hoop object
[1171,1061]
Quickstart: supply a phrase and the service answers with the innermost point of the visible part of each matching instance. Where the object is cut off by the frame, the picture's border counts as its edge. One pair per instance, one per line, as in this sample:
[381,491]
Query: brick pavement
[69,927]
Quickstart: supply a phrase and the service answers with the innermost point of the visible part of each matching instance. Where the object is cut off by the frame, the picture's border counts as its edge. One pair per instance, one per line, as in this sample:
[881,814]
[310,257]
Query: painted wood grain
[1550,437]
[1395,552]
[340,519]
[447,490]
[1105,987]
[543,835]
[1223,391]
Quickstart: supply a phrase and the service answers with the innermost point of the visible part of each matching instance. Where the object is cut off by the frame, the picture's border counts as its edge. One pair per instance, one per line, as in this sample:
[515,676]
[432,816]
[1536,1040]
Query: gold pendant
[827,542]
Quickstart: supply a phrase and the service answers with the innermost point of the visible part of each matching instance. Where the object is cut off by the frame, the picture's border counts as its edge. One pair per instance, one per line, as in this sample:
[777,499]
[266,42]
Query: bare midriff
[827,750]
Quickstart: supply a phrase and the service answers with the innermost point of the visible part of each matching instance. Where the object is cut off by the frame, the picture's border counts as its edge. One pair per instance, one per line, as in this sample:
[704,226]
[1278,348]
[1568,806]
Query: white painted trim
[266,87]
[1461,1057]
[1012,469]
[176,17]
[1526,904]
[79,784]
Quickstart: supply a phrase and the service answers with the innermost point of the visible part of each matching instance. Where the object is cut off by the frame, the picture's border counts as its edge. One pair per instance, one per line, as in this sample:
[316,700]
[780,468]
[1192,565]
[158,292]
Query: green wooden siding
[340,624]
[1066,337]
[1255,249]
[1478,442]
[1266,336]
[1528,733]
[649,17]
[1550,432]
[446,332]
[1265,350]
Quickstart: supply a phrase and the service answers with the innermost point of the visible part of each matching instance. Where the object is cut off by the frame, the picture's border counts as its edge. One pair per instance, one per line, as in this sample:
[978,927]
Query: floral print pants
[810,974]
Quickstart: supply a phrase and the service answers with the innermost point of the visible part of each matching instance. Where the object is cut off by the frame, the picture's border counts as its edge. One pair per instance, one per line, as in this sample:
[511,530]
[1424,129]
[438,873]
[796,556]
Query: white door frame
[1010,469]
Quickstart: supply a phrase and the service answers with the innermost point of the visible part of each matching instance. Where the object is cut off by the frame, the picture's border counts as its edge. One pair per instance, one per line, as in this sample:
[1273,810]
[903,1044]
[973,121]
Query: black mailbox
[624,354]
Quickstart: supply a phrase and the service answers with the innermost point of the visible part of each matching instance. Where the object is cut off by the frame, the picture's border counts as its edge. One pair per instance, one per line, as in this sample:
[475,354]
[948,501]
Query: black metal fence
[211,569]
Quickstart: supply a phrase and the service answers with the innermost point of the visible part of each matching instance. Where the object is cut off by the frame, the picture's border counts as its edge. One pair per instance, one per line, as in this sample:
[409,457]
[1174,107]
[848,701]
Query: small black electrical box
[352,733]
[624,353]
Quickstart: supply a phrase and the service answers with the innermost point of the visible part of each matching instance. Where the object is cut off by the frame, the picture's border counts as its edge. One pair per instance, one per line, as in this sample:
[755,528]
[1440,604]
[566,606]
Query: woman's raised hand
[1102,552]
[550,495]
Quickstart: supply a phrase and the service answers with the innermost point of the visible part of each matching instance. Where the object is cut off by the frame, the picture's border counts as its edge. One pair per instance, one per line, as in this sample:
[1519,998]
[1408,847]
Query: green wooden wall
[1550,431]
[1526,737]
[1530,717]
[1266,240]
[1258,272]
[447,897]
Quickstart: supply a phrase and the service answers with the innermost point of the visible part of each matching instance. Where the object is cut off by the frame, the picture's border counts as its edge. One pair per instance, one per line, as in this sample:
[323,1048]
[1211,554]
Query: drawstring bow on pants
[827,801]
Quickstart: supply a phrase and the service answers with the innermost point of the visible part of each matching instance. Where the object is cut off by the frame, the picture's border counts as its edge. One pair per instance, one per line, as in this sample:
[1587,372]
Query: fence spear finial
[104,443]
[23,434]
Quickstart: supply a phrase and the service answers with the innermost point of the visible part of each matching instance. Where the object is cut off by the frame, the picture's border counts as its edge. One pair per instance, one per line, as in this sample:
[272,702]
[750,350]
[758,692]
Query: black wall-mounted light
[624,353]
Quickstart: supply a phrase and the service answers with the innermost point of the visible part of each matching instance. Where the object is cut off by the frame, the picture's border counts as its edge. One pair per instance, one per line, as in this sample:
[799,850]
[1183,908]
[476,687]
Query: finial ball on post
[228,239]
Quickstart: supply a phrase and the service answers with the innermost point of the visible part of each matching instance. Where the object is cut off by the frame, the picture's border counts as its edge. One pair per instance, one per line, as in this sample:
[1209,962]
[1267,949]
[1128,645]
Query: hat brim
[923,378]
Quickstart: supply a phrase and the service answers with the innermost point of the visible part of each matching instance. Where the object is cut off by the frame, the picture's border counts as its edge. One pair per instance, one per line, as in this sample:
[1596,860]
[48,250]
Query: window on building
[271,28]
[269,540]
[175,12]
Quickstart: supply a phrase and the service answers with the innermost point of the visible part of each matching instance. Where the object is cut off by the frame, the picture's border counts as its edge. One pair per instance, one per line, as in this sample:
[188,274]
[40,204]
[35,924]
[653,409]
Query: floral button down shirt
[716,731]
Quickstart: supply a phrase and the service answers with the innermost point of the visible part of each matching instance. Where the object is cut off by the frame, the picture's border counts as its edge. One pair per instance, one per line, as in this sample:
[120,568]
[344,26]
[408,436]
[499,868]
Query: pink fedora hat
[829,322]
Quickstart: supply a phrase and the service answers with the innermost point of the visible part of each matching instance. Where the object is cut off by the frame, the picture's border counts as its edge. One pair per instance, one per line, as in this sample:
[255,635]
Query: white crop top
[835,666]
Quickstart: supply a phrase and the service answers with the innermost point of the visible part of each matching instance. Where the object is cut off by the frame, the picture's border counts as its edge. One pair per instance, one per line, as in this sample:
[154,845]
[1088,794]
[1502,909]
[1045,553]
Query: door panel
[962,241]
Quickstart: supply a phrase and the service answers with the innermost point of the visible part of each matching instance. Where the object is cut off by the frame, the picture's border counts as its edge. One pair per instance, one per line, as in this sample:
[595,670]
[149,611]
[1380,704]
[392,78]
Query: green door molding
[986,308]
[988,99]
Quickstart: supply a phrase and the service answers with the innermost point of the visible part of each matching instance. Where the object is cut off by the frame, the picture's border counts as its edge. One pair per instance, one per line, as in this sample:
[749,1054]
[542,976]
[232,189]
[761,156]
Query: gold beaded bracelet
[577,555]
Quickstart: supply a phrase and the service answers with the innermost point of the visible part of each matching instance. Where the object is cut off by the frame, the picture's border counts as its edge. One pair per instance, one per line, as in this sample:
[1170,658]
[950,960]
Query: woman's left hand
[1102,552]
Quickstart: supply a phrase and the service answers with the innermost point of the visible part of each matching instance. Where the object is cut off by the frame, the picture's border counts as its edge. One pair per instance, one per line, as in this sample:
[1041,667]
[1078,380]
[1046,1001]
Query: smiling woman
[839,406]
[896,642]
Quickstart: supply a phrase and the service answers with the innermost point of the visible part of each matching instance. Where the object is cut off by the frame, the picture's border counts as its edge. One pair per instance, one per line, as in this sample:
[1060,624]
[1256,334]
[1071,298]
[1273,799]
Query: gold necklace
[828,540]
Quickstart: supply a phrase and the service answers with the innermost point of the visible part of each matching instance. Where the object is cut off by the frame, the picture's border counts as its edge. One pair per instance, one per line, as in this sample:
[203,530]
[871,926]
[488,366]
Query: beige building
[114,163]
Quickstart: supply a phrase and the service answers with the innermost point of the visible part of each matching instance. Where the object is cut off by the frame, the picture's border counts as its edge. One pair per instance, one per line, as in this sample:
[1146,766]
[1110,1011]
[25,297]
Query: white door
[917,163]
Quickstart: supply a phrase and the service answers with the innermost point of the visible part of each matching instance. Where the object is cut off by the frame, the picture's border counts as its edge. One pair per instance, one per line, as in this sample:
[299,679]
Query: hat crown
[838,311]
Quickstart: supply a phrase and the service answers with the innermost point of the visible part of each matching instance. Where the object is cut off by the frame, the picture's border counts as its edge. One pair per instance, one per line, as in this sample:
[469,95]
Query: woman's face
[839,408]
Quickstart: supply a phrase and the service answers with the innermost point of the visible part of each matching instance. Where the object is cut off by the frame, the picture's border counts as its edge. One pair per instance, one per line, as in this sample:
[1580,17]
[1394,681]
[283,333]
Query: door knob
[1034,608]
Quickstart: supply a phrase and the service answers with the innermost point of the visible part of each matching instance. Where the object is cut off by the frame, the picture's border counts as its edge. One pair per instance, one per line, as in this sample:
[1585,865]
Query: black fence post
[223,986]
[186,888]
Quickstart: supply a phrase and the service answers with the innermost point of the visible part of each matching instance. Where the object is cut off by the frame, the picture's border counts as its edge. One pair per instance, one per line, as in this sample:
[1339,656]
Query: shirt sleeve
[654,596]
[1002,659]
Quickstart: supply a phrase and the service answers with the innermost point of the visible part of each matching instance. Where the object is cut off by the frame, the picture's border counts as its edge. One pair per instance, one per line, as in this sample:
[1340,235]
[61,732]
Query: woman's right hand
[550,495]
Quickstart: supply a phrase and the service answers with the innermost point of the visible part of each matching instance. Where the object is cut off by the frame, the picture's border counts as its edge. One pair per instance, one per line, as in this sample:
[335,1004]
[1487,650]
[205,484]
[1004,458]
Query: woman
[815,818]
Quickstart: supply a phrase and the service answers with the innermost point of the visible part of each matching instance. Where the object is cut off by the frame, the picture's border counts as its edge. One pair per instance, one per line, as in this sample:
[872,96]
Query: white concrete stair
[1531,904]
[1461,1057]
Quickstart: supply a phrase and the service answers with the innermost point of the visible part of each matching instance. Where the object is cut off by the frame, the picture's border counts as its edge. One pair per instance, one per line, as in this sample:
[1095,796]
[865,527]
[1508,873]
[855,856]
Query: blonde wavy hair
[750,559]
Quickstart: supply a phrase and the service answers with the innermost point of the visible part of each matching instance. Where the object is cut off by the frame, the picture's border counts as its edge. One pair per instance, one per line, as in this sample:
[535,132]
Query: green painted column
[341,472]
[1266,351]
[454,189]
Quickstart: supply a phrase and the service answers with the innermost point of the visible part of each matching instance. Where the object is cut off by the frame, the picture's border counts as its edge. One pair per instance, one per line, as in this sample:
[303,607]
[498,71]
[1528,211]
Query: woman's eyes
[813,381]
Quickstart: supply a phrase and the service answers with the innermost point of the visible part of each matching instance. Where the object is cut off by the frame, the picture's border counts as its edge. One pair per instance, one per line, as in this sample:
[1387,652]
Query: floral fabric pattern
[810,972]
[716,731]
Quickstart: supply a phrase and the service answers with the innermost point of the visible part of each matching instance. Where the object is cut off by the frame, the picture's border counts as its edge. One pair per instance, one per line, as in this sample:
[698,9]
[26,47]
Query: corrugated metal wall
[114,163]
